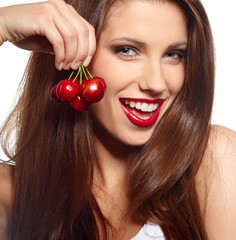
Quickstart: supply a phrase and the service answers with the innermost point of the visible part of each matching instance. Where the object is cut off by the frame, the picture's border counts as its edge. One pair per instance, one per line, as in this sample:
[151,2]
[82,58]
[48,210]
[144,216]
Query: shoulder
[5,184]
[221,154]
[223,140]
[216,184]
[5,197]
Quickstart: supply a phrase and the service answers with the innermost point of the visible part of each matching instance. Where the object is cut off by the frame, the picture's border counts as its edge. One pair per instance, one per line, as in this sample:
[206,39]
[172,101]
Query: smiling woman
[155,62]
[142,163]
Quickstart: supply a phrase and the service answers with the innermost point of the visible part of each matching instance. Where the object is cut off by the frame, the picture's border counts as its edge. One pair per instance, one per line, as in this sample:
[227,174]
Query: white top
[7,162]
[149,231]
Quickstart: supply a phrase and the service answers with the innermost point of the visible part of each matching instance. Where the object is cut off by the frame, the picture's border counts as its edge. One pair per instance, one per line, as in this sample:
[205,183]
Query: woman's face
[141,55]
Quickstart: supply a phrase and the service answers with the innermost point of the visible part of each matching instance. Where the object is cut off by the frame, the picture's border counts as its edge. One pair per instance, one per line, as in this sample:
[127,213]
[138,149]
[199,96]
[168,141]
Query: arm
[217,184]
[5,185]
[52,26]
[5,197]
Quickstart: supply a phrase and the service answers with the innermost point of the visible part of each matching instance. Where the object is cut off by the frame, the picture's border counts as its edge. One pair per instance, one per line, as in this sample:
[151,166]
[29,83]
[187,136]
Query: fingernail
[76,65]
[60,66]
[87,61]
[67,67]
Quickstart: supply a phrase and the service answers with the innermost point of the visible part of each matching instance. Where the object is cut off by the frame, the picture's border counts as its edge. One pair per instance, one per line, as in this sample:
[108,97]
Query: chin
[121,136]
[135,142]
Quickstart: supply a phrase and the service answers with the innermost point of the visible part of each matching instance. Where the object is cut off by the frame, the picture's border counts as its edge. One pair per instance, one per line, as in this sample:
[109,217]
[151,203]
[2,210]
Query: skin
[216,183]
[53,26]
[147,64]
[149,68]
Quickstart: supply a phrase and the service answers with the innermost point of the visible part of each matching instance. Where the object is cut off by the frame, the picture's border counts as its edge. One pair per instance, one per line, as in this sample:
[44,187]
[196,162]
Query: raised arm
[52,26]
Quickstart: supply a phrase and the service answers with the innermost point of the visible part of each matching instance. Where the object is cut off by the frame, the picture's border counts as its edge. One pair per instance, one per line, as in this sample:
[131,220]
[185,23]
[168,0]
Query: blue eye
[176,55]
[125,51]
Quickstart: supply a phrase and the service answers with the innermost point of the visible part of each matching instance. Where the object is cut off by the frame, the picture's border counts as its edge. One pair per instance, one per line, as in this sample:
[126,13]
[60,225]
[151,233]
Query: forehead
[139,16]
[118,7]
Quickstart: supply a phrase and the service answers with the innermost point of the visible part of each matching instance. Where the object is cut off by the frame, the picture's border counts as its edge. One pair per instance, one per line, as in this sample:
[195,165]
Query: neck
[112,158]
[110,186]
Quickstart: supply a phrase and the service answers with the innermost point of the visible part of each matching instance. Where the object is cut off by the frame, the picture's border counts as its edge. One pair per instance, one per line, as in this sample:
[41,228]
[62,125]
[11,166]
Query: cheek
[105,67]
[99,67]
[116,73]
[174,79]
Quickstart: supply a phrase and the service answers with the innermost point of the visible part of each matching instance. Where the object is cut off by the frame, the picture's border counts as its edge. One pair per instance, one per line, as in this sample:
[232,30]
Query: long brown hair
[54,150]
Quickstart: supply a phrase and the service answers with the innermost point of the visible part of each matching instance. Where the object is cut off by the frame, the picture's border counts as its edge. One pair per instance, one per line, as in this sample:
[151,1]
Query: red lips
[139,118]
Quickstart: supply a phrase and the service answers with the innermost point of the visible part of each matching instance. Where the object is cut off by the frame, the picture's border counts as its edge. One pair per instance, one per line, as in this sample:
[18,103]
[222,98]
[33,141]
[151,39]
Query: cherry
[79,104]
[67,90]
[92,90]
[103,82]
[53,94]
[77,82]
[81,93]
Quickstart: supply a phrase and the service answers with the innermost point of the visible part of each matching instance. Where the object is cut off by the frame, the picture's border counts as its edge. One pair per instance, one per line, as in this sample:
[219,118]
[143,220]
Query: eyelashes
[126,51]
[175,56]
[130,52]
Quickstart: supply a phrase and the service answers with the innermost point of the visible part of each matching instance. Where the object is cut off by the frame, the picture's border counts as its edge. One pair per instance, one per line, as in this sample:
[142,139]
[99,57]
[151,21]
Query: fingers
[72,38]
[91,43]
[76,43]
[50,25]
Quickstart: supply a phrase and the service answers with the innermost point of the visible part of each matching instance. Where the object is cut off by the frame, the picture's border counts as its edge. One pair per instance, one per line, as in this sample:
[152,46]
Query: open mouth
[142,112]
[142,109]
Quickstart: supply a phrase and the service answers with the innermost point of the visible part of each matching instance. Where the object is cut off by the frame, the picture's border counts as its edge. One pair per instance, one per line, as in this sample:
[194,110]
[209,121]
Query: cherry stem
[89,73]
[81,75]
[71,76]
[78,73]
[84,72]
[81,71]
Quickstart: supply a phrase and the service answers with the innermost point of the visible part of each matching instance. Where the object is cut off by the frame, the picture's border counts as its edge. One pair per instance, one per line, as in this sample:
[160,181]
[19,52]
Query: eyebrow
[130,40]
[178,44]
[142,44]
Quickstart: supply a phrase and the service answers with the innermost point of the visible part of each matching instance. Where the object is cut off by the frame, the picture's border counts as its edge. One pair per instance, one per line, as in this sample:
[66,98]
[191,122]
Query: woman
[144,162]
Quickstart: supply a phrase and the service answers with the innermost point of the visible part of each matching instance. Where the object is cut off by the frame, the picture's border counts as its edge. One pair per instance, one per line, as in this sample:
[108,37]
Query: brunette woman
[144,162]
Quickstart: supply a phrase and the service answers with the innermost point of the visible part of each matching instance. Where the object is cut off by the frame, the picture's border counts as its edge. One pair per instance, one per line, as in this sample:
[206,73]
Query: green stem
[81,75]
[71,75]
[89,73]
[84,72]
[78,73]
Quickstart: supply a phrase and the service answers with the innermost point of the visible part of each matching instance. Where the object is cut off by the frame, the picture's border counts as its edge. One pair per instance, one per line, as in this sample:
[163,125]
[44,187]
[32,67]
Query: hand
[52,26]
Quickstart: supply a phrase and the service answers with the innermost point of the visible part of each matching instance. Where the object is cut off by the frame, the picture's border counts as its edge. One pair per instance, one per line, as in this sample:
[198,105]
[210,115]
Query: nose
[152,80]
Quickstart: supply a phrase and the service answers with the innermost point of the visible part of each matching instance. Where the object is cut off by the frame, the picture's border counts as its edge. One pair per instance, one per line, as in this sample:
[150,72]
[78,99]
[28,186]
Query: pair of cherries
[80,92]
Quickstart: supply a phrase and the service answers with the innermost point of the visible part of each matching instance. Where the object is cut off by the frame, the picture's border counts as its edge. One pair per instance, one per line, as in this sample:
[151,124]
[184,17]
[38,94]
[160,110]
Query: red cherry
[103,82]
[92,90]
[67,90]
[79,104]
[53,95]
[77,81]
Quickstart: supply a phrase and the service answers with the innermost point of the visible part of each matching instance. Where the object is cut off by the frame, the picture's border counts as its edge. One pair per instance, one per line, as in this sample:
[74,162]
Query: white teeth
[150,107]
[138,105]
[143,106]
[132,104]
[156,105]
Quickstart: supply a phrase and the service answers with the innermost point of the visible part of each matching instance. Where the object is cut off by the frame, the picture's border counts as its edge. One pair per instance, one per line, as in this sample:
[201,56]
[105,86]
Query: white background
[223,19]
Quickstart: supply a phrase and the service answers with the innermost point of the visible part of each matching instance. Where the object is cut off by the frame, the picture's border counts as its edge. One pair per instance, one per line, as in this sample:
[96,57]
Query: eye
[175,56]
[126,51]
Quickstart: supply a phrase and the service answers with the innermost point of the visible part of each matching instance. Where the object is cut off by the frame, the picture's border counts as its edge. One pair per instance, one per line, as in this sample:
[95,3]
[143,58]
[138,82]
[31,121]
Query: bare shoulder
[5,197]
[223,141]
[5,184]
[216,183]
